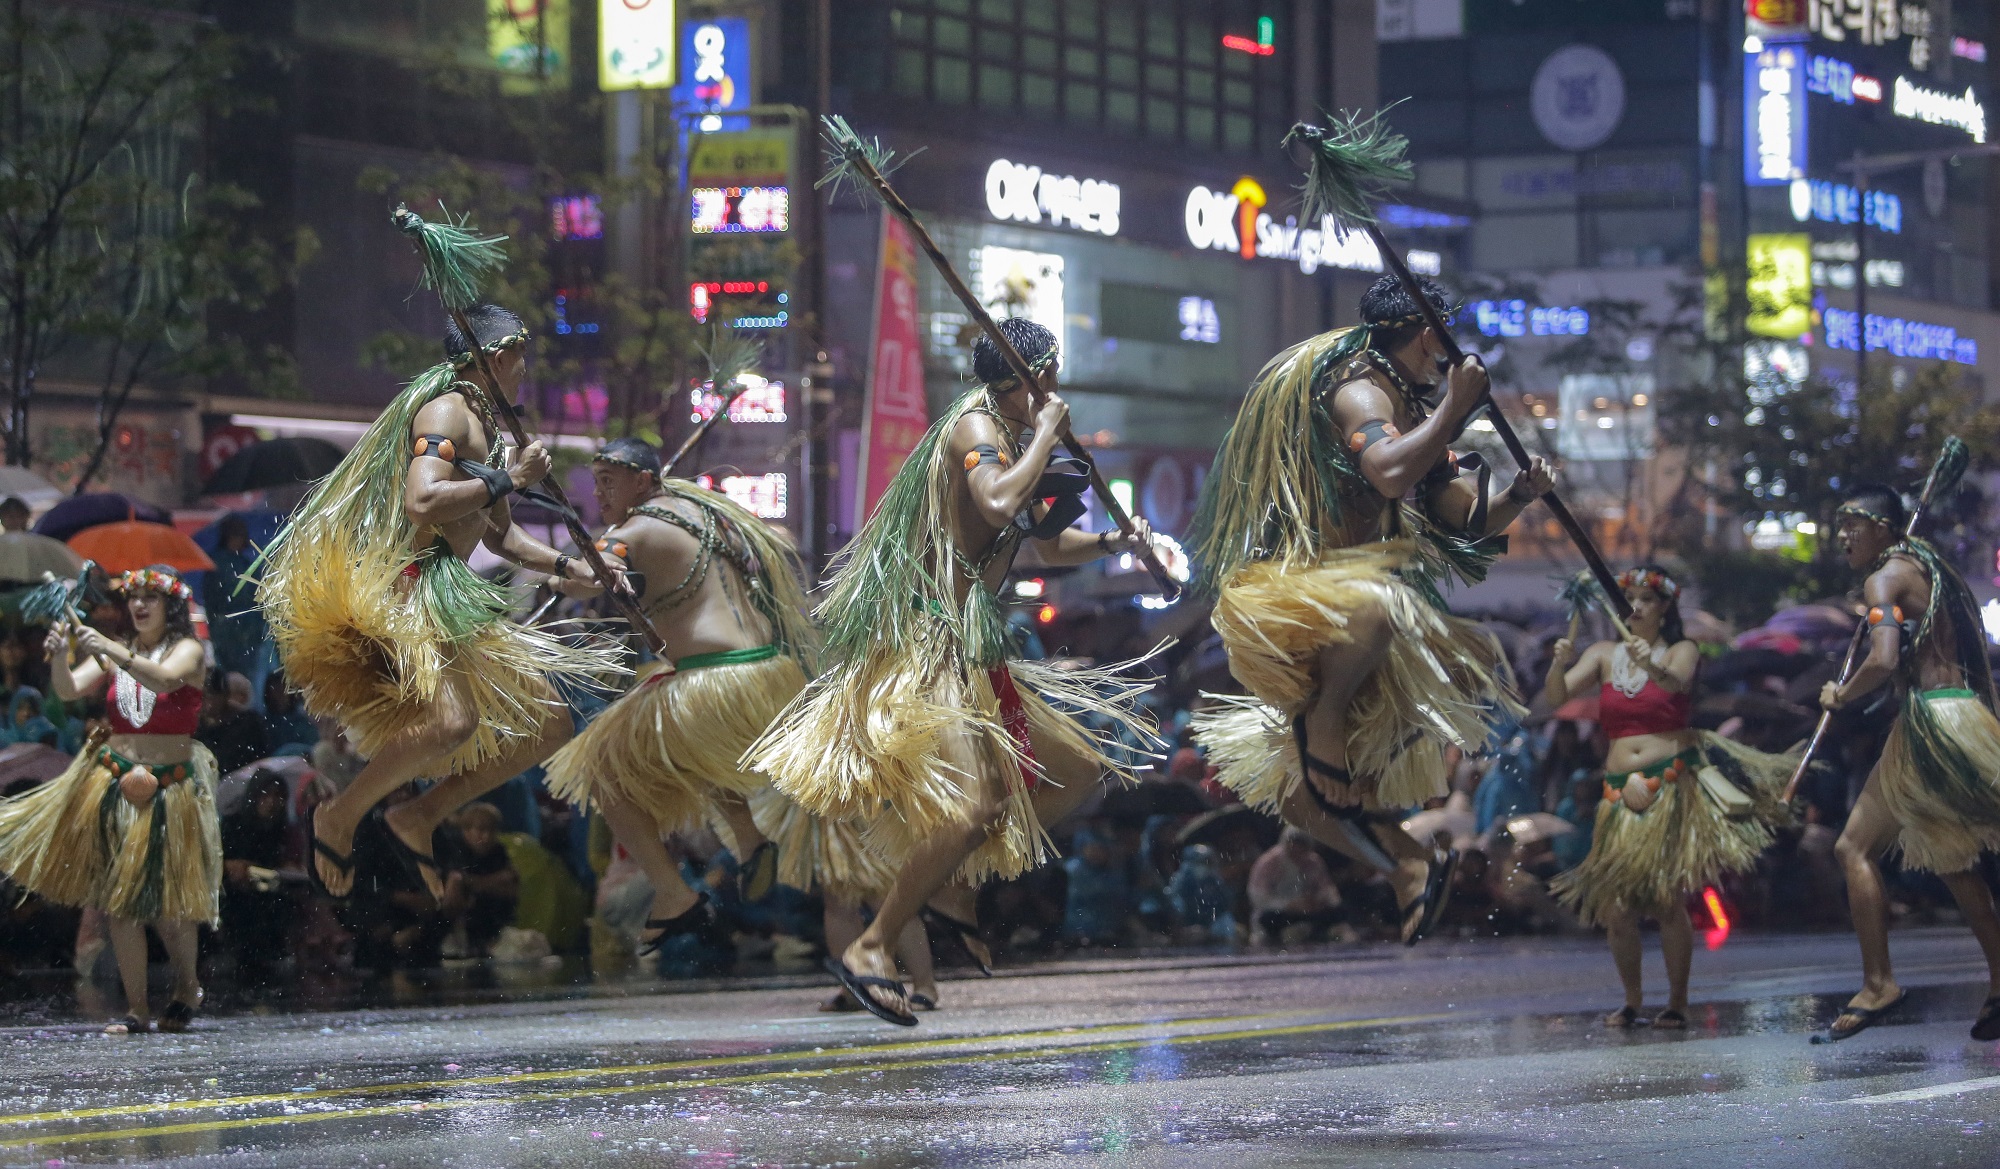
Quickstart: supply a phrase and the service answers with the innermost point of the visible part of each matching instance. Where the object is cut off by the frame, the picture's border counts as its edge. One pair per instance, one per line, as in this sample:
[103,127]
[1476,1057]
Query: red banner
[896,411]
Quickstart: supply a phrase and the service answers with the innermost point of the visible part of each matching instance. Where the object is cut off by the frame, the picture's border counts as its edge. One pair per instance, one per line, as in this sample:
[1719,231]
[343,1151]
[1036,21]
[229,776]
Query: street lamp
[1864,167]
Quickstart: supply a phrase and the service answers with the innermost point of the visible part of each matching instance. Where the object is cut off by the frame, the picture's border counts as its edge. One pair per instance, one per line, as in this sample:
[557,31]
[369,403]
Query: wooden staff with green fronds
[455,259]
[1352,160]
[730,355]
[863,164]
[1942,481]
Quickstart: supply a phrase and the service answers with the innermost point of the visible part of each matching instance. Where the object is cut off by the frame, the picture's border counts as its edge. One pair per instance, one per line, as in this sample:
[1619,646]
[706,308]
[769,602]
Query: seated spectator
[287,729]
[1096,903]
[1579,807]
[26,723]
[230,728]
[396,924]
[334,759]
[1506,790]
[482,888]
[1289,885]
[255,910]
[1201,898]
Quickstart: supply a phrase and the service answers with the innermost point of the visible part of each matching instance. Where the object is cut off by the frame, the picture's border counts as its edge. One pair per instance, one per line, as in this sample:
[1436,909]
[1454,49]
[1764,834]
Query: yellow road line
[418,1108]
[875,1050]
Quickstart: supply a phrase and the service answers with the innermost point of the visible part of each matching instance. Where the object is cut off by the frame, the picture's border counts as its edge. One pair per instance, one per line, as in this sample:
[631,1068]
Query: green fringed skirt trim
[1939,777]
[727,657]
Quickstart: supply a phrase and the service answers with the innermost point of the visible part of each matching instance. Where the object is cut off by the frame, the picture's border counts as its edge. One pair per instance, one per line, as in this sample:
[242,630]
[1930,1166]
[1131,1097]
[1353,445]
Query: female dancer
[131,827]
[1659,835]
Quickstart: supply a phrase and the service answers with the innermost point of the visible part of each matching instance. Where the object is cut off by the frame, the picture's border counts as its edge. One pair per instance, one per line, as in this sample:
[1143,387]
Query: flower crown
[1659,582]
[146,580]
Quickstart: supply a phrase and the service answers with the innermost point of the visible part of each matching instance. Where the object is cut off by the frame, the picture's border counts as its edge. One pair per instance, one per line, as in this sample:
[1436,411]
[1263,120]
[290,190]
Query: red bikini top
[1652,711]
[135,710]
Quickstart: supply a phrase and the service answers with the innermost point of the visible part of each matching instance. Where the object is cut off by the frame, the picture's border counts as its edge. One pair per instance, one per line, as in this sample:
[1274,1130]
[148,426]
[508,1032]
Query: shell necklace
[135,701]
[1629,677]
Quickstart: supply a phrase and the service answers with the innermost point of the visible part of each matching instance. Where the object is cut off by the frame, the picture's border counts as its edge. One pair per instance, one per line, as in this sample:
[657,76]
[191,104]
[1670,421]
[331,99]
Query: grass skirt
[76,841]
[1444,682]
[898,743]
[1935,837]
[670,744]
[812,849]
[1649,861]
[354,643]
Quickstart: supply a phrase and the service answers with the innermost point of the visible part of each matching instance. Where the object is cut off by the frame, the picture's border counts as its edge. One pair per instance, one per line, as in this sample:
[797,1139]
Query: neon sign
[1263,46]
[763,494]
[1940,109]
[1920,340]
[718,79]
[1832,77]
[1774,113]
[1199,321]
[762,400]
[728,209]
[1236,222]
[635,44]
[1840,203]
[1023,194]
[573,217]
[1514,318]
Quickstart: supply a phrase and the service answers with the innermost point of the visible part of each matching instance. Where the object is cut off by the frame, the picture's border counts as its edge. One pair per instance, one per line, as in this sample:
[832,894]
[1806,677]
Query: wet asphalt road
[1453,1054]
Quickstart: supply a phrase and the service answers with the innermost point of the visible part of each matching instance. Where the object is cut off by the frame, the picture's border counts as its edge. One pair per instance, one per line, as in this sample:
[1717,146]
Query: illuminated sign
[727,209]
[1915,339]
[1199,321]
[1775,16]
[1867,88]
[1015,283]
[1872,22]
[1840,203]
[717,52]
[702,294]
[573,217]
[1779,285]
[1263,46]
[635,44]
[764,494]
[528,41]
[1774,113]
[1424,262]
[565,322]
[1832,77]
[1969,49]
[1940,109]
[1515,318]
[1237,222]
[1023,194]
[762,400]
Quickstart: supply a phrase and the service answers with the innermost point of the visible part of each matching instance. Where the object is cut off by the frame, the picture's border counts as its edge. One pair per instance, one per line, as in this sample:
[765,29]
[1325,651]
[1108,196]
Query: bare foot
[1408,881]
[668,904]
[924,996]
[1623,1017]
[875,961]
[337,881]
[418,841]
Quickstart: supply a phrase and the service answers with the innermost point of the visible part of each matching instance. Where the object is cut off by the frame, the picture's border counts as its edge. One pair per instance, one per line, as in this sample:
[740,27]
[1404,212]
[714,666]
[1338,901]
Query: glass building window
[1121,69]
[953,78]
[1081,17]
[1121,27]
[953,35]
[1162,39]
[1080,62]
[1121,109]
[959,6]
[996,87]
[1039,15]
[1080,103]
[998,10]
[1038,53]
[909,73]
[1200,85]
[1162,119]
[1238,93]
[1201,126]
[1161,78]
[1038,93]
[996,45]
[912,27]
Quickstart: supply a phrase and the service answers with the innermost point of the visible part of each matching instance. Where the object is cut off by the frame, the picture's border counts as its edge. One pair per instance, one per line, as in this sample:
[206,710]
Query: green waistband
[1690,758]
[1950,692]
[728,657]
[166,773]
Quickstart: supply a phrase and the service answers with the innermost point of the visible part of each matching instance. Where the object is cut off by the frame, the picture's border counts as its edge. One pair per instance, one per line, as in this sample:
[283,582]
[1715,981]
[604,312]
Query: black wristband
[498,482]
[561,570]
[1104,540]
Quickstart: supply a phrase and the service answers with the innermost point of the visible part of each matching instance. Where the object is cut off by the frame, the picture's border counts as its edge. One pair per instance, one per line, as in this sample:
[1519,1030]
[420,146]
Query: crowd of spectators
[1173,861]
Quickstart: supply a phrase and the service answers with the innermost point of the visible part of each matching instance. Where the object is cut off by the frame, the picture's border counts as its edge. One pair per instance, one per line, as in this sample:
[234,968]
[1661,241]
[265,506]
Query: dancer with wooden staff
[1935,792]
[381,624]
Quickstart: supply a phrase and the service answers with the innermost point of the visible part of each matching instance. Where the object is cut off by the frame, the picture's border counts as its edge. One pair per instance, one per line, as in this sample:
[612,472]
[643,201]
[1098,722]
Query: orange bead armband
[1877,615]
[437,446]
[618,548]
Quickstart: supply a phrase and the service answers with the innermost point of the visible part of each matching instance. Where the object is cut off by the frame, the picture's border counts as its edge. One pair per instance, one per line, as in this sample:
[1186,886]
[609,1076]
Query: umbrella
[78,512]
[1704,626]
[1581,709]
[26,556]
[294,770]
[274,462]
[1536,826]
[28,487]
[122,547]
[36,761]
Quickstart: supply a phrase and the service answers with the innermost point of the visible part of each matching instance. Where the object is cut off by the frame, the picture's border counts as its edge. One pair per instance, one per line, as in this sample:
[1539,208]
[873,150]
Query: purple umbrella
[78,512]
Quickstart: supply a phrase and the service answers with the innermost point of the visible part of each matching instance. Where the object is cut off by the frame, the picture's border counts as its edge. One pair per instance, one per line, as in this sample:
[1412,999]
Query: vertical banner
[1774,113]
[896,412]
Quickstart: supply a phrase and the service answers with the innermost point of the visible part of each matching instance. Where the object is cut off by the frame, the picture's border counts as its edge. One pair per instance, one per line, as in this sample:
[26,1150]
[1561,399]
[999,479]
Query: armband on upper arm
[986,455]
[436,446]
[1369,433]
[1877,615]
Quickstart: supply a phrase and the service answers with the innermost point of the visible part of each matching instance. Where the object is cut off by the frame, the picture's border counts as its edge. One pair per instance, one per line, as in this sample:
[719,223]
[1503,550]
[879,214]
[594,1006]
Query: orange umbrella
[122,547]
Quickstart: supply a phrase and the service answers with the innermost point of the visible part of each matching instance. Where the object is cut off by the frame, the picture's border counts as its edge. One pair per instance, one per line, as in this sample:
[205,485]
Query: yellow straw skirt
[1444,681]
[1650,861]
[1935,837]
[901,743]
[814,850]
[674,741]
[359,652]
[77,841]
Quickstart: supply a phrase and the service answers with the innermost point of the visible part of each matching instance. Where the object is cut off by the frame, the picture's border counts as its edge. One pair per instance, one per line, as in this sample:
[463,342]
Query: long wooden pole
[621,596]
[1515,448]
[701,431]
[1169,587]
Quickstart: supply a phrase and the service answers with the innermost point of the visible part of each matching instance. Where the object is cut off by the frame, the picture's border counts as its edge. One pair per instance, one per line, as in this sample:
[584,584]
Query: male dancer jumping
[1329,605]
[382,625]
[925,724]
[722,587]
[1935,793]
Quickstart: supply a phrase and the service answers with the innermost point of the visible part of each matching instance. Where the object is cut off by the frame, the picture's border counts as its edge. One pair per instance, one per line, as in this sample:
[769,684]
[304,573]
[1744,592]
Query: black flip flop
[695,918]
[966,934]
[858,984]
[414,862]
[1627,1017]
[342,862]
[1869,1016]
[131,1025]
[178,1017]
[1670,1020]
[760,873]
[921,1001]
[1435,897]
[1987,1027]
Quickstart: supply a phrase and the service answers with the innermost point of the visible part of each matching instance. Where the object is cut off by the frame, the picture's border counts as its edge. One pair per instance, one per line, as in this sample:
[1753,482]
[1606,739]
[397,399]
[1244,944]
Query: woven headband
[145,580]
[1659,582]
[513,340]
[1859,512]
[621,461]
[1398,322]
[1037,366]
